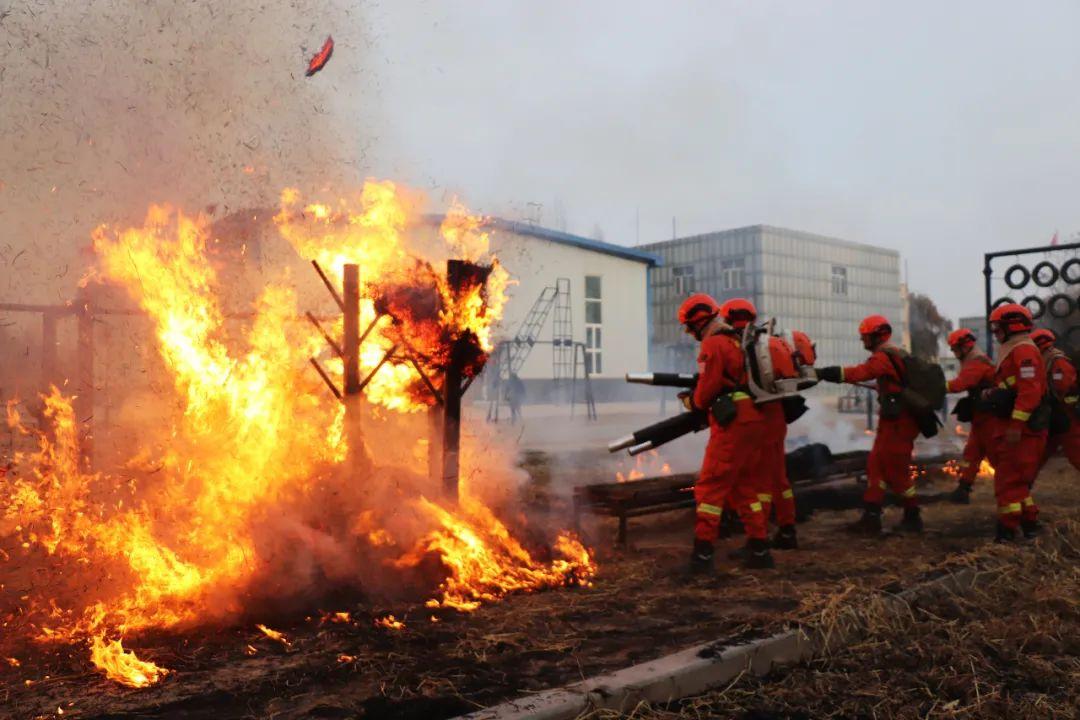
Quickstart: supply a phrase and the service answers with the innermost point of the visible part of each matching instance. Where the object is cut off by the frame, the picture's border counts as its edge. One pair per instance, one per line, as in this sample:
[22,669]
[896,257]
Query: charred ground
[641,606]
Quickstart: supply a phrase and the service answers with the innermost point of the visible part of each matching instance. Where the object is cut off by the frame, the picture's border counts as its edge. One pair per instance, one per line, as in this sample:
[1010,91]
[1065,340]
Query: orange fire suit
[976,374]
[733,455]
[890,457]
[1065,387]
[775,490]
[1019,368]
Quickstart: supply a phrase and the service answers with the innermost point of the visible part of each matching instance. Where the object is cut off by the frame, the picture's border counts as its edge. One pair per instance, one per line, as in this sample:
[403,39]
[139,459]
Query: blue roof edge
[627,253]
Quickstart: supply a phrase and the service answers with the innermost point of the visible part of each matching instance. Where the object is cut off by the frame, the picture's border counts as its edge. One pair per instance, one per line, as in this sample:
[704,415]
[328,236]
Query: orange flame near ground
[122,665]
[486,563]
[390,623]
[251,428]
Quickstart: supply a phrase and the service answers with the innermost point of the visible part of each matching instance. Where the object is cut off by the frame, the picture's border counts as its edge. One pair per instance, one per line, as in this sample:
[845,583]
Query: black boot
[911,522]
[758,556]
[701,559]
[785,538]
[1030,528]
[869,524]
[1005,534]
[961,495]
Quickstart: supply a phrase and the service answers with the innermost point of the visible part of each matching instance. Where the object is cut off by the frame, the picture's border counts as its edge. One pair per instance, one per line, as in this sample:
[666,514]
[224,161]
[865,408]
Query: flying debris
[319,60]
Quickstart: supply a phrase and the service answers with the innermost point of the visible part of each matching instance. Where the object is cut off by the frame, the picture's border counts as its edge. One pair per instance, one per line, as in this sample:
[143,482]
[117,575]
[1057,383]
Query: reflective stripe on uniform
[841,374]
[964,463]
[764,497]
[1021,415]
[1071,399]
[709,509]
[1010,381]
[787,494]
[739,395]
[1010,509]
[755,507]
[1029,501]
[910,492]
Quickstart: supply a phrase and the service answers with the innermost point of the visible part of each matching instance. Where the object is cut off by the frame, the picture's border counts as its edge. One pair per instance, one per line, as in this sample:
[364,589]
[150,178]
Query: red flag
[319,60]
[1054,241]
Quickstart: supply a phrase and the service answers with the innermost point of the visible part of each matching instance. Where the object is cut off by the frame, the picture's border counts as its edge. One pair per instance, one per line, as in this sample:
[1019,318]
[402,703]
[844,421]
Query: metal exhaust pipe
[623,442]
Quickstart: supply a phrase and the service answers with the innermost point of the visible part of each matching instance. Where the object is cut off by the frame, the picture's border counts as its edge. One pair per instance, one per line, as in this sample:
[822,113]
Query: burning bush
[250,493]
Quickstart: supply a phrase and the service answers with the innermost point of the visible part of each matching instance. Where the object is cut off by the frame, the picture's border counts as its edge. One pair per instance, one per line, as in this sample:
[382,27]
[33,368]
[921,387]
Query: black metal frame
[988,259]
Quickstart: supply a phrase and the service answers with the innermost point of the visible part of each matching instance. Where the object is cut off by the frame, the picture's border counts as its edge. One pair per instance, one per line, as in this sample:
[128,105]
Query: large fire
[251,446]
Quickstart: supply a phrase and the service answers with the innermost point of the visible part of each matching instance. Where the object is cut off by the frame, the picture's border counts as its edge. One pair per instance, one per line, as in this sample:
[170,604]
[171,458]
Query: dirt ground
[640,606]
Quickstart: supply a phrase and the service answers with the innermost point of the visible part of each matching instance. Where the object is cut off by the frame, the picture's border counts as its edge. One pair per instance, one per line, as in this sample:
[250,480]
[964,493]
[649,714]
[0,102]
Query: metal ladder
[562,336]
[526,336]
[589,400]
[510,355]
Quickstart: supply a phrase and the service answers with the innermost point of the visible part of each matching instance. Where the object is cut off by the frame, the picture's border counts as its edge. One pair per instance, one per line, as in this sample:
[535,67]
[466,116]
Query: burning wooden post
[48,350]
[462,277]
[84,399]
[351,334]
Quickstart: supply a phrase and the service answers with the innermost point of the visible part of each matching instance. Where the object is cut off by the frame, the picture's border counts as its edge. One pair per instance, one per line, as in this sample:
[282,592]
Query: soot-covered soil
[640,606]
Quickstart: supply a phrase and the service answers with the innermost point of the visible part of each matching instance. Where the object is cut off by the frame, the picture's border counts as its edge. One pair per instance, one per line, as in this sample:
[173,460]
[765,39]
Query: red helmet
[1044,338]
[698,309]
[804,347]
[1012,318]
[876,325]
[738,312]
[961,337]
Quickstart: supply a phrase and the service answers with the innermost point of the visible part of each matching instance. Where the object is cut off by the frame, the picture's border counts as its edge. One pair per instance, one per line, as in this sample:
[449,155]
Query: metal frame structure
[988,271]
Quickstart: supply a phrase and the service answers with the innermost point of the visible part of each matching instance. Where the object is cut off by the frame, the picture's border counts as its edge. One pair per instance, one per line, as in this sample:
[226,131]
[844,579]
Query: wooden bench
[814,476]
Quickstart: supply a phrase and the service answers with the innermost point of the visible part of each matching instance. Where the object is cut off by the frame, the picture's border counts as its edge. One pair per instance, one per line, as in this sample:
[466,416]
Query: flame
[390,623]
[274,635]
[486,562]
[246,430]
[647,464]
[986,470]
[122,665]
[379,231]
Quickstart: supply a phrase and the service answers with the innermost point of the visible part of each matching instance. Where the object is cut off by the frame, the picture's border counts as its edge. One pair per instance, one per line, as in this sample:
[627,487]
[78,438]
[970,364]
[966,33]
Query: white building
[597,297]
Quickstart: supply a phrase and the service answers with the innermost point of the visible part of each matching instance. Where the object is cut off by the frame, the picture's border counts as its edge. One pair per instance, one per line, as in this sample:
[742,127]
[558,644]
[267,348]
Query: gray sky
[942,129]
[939,129]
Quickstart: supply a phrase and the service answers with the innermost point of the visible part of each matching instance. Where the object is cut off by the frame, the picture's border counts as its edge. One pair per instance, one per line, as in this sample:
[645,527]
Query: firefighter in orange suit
[890,457]
[1064,384]
[735,431]
[976,374]
[1017,443]
[773,489]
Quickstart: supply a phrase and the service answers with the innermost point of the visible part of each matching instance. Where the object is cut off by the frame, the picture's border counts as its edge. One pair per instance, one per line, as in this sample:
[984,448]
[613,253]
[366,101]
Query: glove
[1012,434]
[687,399]
[833,374]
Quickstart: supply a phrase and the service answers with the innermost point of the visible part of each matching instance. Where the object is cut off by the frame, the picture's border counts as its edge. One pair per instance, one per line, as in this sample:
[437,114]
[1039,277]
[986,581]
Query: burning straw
[251,496]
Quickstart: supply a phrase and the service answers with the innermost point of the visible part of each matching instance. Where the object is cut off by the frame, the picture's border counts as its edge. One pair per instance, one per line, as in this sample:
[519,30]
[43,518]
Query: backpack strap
[901,371]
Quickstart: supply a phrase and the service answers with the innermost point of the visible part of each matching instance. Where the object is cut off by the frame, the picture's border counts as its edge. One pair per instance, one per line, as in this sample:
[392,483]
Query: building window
[594,362]
[684,280]
[839,280]
[733,274]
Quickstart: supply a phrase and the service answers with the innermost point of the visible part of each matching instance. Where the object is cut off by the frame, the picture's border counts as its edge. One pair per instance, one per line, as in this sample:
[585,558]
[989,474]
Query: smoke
[110,105]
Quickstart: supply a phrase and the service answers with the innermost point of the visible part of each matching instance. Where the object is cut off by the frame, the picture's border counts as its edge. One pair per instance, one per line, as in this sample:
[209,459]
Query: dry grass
[1007,648]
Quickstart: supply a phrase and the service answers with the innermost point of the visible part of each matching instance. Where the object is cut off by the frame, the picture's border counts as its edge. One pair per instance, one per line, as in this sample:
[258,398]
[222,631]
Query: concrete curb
[698,669]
